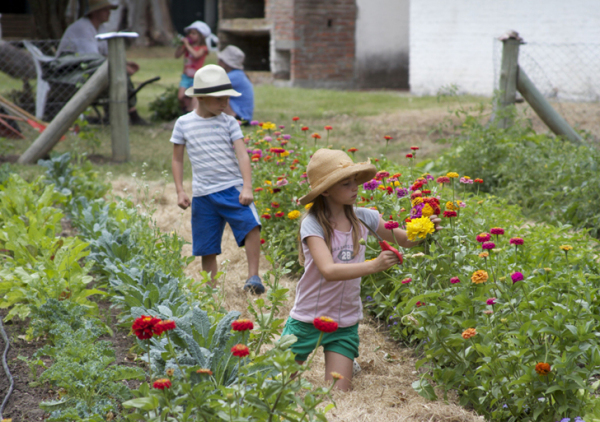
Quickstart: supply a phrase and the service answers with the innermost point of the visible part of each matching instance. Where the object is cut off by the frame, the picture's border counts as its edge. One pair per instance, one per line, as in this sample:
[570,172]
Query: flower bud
[362,242]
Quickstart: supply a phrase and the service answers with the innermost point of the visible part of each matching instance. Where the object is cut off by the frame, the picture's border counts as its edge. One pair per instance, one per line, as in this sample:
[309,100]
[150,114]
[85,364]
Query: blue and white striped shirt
[209,144]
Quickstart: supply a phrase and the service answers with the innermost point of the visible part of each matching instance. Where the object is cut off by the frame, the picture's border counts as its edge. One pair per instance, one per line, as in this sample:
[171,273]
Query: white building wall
[382,31]
[452,41]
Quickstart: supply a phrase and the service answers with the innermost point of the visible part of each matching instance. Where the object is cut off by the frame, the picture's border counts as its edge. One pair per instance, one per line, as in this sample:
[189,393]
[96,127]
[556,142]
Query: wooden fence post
[508,74]
[117,93]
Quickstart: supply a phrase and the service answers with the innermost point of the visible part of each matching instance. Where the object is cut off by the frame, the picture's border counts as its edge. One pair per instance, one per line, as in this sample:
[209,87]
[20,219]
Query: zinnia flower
[414,148]
[161,384]
[328,128]
[266,216]
[516,241]
[254,123]
[478,180]
[242,325]
[240,350]
[543,369]
[488,245]
[483,237]
[401,192]
[468,333]
[566,248]
[450,206]
[337,376]
[450,214]
[479,276]
[308,206]
[274,204]
[325,324]
[165,325]
[282,182]
[454,280]
[387,138]
[491,301]
[409,156]
[391,225]
[204,371]
[419,304]
[143,327]
[406,281]
[443,179]
[419,228]
[484,255]
[314,135]
[452,175]
[292,215]
[427,211]
[516,276]
[295,118]
[496,231]
[262,241]
[371,185]
[279,214]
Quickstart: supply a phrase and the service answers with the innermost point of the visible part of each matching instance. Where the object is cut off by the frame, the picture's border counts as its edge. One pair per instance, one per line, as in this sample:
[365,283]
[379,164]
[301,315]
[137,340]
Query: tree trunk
[50,18]
[161,23]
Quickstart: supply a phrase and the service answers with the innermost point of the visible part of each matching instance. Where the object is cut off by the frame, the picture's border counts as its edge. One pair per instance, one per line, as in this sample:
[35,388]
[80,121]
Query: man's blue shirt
[243,106]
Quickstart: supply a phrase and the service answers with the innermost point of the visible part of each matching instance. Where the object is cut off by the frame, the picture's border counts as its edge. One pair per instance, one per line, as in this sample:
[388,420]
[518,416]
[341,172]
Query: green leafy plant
[166,106]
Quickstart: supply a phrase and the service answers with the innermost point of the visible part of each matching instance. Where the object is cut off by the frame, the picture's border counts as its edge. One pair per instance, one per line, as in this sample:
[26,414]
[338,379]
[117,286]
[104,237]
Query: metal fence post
[118,107]
[508,74]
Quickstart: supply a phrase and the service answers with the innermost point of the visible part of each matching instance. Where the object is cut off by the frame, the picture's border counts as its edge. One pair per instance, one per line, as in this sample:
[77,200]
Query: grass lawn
[360,118]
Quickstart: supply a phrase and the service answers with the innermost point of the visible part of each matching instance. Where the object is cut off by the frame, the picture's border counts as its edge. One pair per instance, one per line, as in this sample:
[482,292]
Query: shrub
[166,106]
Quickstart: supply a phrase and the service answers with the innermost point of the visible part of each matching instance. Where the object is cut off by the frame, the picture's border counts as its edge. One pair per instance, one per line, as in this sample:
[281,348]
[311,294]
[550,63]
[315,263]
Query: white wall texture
[452,42]
[382,45]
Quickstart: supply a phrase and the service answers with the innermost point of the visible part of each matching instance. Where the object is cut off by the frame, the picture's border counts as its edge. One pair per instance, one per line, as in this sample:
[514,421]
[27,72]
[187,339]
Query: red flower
[387,138]
[258,190]
[389,190]
[450,214]
[443,179]
[478,180]
[406,281]
[434,203]
[396,175]
[409,156]
[419,304]
[382,174]
[328,128]
[414,148]
[408,220]
[426,191]
[325,324]
[305,128]
[262,241]
[352,149]
[274,204]
[161,384]
[242,325]
[275,190]
[314,135]
[295,118]
[143,327]
[165,325]
[279,214]
[240,350]
[266,216]
[483,237]
[204,371]
[516,241]
[296,161]
[496,230]
[455,280]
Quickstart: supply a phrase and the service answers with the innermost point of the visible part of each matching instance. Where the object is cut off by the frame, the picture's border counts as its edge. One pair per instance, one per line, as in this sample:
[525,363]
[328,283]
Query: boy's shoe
[254,285]
[355,368]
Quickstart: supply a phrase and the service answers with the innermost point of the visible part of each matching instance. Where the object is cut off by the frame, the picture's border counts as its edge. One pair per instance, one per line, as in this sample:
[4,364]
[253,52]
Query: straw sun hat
[328,167]
[94,5]
[212,81]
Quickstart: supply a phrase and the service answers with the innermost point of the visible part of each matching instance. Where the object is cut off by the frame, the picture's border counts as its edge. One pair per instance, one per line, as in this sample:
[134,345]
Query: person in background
[194,52]
[232,60]
[80,38]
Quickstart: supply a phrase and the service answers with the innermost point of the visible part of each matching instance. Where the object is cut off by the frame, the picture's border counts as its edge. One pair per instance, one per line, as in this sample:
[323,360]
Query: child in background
[194,51]
[222,175]
[334,260]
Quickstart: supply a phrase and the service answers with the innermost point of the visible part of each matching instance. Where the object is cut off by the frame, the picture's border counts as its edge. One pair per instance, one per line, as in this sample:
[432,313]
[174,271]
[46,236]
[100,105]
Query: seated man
[80,38]
[232,60]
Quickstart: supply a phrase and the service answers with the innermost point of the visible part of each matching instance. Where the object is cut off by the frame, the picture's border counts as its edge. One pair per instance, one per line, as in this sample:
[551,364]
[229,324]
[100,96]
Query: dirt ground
[381,392]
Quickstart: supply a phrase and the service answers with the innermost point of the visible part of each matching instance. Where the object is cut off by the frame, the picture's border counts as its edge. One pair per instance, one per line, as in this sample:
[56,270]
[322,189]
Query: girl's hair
[320,210]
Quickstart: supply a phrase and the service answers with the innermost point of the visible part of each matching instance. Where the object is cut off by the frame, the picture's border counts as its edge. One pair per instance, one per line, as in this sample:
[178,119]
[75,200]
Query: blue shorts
[211,212]
[186,81]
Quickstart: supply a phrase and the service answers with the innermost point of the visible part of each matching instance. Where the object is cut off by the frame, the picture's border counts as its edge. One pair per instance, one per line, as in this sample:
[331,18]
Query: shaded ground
[381,392]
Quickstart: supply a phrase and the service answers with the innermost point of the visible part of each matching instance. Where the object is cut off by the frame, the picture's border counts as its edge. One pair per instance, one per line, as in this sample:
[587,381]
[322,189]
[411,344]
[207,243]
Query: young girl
[334,260]
[194,51]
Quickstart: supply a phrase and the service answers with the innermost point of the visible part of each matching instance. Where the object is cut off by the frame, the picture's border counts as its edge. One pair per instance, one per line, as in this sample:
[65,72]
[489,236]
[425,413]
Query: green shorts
[343,341]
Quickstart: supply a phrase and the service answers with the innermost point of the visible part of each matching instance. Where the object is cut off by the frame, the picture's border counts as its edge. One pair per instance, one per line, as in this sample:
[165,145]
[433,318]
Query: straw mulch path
[381,392]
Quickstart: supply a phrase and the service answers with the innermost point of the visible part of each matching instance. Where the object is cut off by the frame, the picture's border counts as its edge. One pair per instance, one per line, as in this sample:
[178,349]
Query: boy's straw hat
[233,57]
[94,5]
[328,167]
[211,81]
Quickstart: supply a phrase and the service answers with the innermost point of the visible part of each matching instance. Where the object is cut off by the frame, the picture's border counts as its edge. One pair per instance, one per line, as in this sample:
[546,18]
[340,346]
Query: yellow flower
[308,206]
[480,202]
[450,206]
[417,201]
[268,125]
[427,211]
[381,187]
[467,177]
[285,154]
[267,210]
[268,182]
[459,202]
[372,259]
[292,215]
[452,175]
[337,376]
[479,276]
[396,183]
[419,228]
[566,248]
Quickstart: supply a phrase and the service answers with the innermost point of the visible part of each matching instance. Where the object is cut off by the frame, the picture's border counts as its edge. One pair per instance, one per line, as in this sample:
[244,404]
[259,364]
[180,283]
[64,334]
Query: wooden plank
[18,111]
[508,75]
[118,108]
[86,95]
[544,109]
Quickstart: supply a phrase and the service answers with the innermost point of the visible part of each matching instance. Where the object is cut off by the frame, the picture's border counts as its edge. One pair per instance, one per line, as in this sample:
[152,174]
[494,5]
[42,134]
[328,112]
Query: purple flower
[371,185]
[401,192]
[416,211]
[268,138]
[254,123]
[428,177]
[488,245]
[491,301]
[516,276]
[287,137]
[281,127]
[369,298]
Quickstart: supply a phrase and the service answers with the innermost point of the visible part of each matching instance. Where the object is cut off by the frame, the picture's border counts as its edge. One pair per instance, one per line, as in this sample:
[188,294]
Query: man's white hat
[233,56]
[212,81]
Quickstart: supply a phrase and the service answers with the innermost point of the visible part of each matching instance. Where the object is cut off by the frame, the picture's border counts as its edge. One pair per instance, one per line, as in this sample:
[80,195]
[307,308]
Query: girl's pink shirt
[339,300]
[191,65]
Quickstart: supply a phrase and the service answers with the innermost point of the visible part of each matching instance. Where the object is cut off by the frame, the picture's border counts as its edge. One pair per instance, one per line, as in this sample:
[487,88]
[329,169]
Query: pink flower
[516,241]
[483,237]
[488,245]
[516,276]
[496,230]
[406,280]
[391,225]
[455,280]
[282,182]
[491,301]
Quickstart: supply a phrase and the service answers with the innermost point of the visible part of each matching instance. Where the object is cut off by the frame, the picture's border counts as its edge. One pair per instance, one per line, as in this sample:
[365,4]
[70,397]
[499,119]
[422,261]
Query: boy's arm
[246,196]
[183,201]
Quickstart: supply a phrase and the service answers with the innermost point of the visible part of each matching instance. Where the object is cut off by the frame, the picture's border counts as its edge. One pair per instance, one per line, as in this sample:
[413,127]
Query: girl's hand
[436,222]
[385,260]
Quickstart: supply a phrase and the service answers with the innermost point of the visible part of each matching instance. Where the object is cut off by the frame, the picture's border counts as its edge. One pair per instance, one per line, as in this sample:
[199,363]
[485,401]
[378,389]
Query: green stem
[307,364]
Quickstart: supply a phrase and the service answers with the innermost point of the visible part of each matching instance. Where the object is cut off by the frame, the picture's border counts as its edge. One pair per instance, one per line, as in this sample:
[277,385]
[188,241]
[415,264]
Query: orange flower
[468,333]
[337,376]
[387,138]
[315,135]
[325,324]
[543,369]
[204,371]
[328,128]
[258,189]
[352,150]
[295,118]
[304,128]
[242,325]
[479,276]
[240,350]
[161,384]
